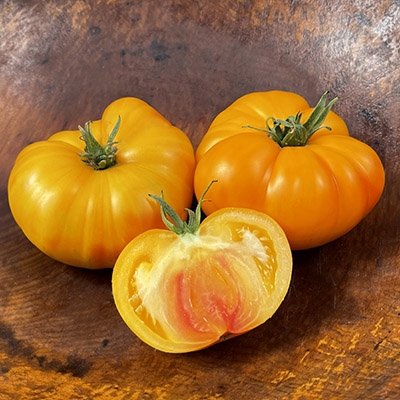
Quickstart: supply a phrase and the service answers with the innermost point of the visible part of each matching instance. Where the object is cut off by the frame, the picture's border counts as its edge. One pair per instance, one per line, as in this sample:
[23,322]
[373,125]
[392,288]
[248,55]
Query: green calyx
[175,223]
[97,156]
[291,132]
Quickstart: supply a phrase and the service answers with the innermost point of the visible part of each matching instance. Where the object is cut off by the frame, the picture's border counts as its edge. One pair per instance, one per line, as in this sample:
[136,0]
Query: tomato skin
[184,293]
[317,192]
[85,217]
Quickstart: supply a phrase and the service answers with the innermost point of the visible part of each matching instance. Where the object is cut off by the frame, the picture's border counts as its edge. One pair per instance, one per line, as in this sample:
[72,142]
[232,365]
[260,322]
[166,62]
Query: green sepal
[97,156]
[291,131]
[174,222]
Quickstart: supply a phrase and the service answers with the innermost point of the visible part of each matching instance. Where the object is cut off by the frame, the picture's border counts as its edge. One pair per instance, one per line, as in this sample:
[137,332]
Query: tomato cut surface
[181,293]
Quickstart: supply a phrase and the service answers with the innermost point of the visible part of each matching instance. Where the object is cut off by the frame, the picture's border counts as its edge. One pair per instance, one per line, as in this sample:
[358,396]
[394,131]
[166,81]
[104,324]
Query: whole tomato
[272,152]
[82,195]
[194,285]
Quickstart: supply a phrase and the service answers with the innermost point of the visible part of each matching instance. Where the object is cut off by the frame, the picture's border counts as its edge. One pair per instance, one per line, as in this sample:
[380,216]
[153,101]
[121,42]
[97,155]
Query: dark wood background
[337,335]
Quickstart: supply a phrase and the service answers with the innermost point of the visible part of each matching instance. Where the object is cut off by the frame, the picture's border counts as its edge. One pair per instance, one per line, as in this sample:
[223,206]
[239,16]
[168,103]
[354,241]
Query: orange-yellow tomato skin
[85,217]
[317,192]
[184,293]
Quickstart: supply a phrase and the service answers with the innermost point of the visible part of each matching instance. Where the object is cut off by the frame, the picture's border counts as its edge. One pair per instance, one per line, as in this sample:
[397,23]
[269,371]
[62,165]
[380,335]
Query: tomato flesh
[184,293]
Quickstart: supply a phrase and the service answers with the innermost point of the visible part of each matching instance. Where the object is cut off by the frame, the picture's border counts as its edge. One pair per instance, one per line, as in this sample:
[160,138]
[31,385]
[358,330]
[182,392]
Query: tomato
[84,213]
[271,152]
[189,287]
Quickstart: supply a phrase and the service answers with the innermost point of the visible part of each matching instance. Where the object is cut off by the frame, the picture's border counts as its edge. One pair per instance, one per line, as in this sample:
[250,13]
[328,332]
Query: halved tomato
[189,287]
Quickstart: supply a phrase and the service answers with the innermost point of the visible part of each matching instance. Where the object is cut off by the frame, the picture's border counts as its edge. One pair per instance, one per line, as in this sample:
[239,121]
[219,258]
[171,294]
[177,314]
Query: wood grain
[336,336]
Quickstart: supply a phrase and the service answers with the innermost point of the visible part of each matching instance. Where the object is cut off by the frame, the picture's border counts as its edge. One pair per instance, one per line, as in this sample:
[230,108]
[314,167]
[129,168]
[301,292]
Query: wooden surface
[337,334]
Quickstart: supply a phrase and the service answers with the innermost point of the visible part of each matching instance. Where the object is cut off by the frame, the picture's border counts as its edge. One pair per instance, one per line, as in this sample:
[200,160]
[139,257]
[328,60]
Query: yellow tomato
[271,152]
[186,289]
[81,202]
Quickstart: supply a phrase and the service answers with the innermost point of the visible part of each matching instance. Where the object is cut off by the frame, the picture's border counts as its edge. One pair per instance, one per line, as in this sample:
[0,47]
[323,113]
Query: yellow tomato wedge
[187,289]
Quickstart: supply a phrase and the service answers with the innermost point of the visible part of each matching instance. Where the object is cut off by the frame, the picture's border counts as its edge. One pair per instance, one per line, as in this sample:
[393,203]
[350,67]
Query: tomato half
[181,292]
[84,213]
[317,190]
